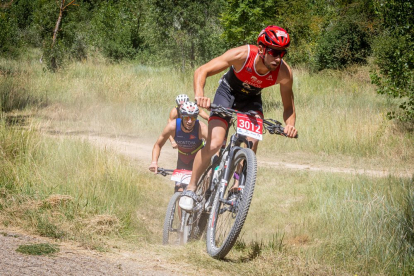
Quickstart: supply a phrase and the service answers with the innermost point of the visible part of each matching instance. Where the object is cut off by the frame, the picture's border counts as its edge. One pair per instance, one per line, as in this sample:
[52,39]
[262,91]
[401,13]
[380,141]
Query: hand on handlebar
[290,131]
[153,167]
[203,102]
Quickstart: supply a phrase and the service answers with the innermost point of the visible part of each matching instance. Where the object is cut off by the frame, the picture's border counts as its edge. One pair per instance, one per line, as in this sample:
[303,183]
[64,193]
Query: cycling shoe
[233,195]
[187,200]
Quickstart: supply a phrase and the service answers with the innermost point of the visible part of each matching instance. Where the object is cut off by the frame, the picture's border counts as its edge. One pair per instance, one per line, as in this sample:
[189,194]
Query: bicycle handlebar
[273,126]
[164,172]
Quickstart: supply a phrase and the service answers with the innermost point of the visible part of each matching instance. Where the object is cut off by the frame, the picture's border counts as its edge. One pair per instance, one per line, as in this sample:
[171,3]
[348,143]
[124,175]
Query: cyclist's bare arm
[233,57]
[168,131]
[202,134]
[285,80]
[204,115]
[173,116]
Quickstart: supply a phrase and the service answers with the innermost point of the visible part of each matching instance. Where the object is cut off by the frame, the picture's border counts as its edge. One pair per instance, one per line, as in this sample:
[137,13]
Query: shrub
[344,42]
[395,58]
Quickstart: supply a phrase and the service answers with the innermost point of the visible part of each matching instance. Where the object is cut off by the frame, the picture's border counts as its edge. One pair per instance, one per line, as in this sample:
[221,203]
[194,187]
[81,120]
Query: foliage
[243,20]
[343,43]
[115,28]
[394,56]
[190,32]
[8,33]
[320,30]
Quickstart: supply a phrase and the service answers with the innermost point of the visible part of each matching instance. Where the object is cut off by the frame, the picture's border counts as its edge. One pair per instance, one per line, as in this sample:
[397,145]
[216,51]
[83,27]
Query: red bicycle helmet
[274,36]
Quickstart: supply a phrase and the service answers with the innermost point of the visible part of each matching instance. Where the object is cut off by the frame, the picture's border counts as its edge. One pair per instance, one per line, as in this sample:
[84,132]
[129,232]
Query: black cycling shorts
[240,101]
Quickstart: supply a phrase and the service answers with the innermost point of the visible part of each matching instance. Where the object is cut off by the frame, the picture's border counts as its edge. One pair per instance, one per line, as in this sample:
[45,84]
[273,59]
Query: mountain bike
[225,190]
[178,224]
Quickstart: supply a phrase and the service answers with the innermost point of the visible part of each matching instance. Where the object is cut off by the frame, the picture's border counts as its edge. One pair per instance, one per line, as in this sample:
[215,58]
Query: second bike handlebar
[273,126]
[164,172]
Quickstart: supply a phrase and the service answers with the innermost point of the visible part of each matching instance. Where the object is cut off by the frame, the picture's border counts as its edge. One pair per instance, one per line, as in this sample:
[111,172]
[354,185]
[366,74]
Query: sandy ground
[75,260]
[72,259]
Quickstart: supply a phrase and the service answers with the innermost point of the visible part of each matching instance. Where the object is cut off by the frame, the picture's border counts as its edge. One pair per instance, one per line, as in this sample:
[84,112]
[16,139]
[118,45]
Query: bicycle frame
[230,199]
[225,155]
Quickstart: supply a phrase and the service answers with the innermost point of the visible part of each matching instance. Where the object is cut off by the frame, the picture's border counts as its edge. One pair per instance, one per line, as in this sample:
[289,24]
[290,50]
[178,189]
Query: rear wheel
[229,213]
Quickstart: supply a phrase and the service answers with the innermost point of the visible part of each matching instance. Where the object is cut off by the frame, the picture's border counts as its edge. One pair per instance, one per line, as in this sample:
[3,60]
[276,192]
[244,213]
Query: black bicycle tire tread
[167,220]
[187,228]
[247,196]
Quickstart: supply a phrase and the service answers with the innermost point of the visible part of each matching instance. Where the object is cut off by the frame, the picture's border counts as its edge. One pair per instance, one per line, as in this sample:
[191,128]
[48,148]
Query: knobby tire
[172,222]
[224,227]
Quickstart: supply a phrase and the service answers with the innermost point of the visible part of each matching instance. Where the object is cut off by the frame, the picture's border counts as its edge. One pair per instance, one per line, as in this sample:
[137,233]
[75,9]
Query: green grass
[299,223]
[38,249]
[68,189]
[323,224]
[338,113]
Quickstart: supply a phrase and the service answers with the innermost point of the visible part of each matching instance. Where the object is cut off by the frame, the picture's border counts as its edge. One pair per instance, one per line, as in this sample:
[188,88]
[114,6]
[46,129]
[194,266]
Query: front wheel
[172,222]
[231,205]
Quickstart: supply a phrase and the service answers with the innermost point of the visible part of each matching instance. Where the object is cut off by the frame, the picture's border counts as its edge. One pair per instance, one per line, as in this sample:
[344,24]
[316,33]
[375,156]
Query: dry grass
[58,200]
[103,224]
[300,223]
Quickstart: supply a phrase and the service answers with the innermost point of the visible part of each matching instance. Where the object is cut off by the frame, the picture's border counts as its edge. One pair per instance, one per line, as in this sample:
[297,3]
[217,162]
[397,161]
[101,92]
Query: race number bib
[250,126]
[182,176]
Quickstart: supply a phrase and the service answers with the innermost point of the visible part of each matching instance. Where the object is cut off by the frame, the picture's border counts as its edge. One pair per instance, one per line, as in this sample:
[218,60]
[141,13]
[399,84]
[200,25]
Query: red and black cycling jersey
[247,80]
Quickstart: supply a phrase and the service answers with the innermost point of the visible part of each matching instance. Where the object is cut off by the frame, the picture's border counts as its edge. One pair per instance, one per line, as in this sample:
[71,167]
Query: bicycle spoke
[229,212]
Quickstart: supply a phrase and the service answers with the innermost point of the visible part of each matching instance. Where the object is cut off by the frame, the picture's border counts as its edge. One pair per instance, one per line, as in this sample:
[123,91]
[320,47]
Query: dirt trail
[75,260]
[140,151]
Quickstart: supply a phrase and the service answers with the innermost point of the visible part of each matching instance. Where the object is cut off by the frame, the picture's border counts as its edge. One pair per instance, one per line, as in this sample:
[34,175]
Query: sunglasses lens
[186,118]
[276,53]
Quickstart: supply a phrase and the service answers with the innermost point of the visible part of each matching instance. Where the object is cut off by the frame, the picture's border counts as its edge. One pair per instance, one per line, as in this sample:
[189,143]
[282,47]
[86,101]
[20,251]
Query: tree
[8,30]
[394,56]
[185,30]
[62,7]
[243,20]
[116,28]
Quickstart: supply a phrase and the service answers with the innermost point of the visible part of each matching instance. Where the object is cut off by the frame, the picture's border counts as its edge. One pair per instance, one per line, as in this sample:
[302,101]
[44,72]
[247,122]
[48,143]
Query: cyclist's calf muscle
[216,134]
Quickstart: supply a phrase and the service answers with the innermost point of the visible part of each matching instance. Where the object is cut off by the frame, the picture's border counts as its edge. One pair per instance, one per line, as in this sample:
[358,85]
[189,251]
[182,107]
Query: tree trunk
[55,31]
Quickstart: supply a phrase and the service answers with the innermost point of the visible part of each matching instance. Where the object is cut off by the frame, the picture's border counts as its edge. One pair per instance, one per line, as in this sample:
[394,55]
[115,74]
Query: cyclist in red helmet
[175,114]
[251,68]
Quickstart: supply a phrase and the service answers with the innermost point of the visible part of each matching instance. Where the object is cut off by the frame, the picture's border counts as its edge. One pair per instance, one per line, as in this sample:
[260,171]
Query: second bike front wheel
[229,212]
[172,222]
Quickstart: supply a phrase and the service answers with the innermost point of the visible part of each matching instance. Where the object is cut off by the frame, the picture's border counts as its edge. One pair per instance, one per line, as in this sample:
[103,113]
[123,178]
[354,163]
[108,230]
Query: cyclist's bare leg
[239,168]
[255,143]
[216,134]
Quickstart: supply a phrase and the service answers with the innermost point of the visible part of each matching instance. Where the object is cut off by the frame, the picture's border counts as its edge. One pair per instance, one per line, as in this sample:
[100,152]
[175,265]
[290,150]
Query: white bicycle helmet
[182,98]
[189,109]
